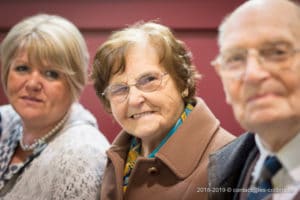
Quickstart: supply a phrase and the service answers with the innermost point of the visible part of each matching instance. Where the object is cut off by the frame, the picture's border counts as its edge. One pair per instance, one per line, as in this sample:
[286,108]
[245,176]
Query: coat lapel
[117,155]
[184,150]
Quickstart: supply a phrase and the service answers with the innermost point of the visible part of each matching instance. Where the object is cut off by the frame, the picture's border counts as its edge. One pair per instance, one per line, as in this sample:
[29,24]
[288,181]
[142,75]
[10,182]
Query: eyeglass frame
[161,75]
[259,56]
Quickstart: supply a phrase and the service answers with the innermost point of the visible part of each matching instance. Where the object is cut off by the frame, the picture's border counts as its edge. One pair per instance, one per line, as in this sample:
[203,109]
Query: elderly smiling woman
[144,77]
[50,145]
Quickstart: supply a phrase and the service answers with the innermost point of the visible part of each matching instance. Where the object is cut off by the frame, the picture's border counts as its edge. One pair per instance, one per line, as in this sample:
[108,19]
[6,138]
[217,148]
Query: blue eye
[51,74]
[21,68]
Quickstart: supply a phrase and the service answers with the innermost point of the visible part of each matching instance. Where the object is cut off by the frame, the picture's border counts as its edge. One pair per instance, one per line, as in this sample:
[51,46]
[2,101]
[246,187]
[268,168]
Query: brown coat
[179,170]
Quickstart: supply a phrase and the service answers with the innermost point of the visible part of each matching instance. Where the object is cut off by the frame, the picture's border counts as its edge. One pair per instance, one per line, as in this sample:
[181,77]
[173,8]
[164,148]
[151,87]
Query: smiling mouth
[139,115]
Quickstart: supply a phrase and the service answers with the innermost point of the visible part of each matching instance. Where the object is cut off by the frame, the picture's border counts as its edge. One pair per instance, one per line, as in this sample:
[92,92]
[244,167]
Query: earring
[185,93]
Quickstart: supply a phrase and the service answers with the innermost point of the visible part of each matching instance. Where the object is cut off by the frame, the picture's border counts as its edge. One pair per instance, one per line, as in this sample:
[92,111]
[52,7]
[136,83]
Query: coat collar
[185,149]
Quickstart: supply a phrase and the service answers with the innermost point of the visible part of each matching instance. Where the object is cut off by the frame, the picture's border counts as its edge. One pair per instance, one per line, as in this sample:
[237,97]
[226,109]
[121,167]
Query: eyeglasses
[146,83]
[272,57]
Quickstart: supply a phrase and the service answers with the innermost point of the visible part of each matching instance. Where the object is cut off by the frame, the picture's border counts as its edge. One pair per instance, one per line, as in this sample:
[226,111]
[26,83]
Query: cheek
[118,112]
[13,83]
[294,100]
[231,91]
[59,91]
[171,106]
[234,93]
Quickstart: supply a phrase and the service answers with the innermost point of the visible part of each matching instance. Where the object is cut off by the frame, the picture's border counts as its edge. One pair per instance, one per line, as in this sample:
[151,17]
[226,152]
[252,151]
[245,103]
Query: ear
[185,93]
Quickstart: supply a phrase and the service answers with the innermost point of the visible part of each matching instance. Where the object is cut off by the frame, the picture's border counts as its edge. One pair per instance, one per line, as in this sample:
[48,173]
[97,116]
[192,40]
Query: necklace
[42,140]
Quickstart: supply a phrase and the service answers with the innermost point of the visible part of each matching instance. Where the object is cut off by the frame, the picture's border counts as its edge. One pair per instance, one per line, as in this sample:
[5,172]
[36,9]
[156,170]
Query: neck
[276,136]
[32,137]
[148,147]
[31,131]
[275,142]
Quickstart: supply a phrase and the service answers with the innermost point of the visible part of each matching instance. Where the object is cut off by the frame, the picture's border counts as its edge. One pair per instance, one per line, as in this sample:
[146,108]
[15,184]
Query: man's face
[267,92]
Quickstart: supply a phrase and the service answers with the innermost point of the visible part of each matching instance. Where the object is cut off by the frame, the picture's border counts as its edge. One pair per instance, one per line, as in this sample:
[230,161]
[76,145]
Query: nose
[34,82]
[255,71]
[135,96]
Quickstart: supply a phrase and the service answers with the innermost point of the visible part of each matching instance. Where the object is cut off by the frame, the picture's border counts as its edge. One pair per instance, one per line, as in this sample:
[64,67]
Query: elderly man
[259,65]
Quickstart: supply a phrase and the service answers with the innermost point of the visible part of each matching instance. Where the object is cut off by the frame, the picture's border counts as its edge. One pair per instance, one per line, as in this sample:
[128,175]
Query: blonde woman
[50,146]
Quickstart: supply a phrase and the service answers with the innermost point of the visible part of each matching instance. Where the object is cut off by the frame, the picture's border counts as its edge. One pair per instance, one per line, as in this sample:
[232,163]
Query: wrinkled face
[263,97]
[146,115]
[39,94]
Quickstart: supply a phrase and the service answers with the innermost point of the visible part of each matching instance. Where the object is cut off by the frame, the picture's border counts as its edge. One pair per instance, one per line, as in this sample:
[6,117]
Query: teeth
[140,115]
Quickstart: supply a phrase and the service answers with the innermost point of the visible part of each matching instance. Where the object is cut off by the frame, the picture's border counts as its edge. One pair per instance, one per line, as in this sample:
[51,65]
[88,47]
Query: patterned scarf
[135,147]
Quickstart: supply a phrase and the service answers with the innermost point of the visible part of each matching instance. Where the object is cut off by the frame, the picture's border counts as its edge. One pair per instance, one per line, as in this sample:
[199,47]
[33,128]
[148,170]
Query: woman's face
[146,115]
[39,94]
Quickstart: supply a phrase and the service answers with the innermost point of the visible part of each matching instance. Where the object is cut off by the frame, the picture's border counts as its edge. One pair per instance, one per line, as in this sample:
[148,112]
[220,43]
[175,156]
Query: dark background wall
[194,21]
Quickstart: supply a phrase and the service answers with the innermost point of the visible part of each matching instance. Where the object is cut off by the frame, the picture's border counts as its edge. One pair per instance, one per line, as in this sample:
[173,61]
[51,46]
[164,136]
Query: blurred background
[193,21]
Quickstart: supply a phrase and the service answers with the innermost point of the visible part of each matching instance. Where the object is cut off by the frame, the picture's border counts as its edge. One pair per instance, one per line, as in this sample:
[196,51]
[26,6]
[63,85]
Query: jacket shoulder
[227,163]
[221,138]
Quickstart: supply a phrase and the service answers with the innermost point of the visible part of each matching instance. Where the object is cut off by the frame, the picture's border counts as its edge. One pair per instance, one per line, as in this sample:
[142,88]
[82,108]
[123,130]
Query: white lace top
[69,167]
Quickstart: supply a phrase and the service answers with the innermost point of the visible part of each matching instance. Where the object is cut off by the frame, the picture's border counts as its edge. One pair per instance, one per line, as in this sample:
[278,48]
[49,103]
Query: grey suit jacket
[228,167]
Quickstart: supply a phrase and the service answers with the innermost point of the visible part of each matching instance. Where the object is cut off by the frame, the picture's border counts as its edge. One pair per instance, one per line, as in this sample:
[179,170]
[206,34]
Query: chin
[145,133]
[30,116]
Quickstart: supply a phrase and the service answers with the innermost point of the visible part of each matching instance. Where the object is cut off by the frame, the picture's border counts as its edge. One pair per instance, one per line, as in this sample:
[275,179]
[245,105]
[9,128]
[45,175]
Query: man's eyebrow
[276,42]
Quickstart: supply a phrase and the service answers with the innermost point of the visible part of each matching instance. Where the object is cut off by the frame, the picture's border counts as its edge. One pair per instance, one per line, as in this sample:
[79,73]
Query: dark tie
[264,185]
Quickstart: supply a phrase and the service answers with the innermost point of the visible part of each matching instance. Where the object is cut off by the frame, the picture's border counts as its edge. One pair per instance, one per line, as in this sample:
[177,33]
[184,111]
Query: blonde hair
[48,39]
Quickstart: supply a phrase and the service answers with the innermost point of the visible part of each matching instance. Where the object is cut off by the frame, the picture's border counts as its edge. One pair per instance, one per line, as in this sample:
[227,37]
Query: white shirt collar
[288,155]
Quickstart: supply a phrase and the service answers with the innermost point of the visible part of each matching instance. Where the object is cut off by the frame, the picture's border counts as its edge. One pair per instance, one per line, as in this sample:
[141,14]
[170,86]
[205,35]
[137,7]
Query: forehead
[25,56]
[253,25]
[141,57]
